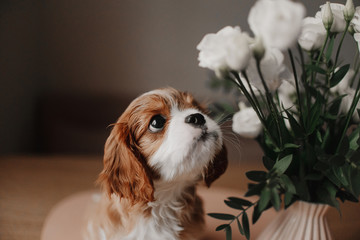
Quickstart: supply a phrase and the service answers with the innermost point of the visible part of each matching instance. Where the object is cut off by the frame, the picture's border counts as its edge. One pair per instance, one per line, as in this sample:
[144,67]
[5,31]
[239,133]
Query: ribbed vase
[301,221]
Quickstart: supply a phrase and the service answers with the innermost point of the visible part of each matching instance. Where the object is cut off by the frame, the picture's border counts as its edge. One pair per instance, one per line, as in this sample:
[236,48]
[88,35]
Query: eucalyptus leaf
[228,233]
[241,230]
[288,184]
[257,176]
[268,162]
[339,75]
[282,165]
[222,216]
[233,205]
[295,126]
[240,201]
[256,214]
[275,199]
[245,224]
[221,227]
[316,69]
[264,199]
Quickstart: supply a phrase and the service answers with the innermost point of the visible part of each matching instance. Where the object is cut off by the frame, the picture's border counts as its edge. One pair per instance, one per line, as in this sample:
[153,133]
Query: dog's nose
[196,120]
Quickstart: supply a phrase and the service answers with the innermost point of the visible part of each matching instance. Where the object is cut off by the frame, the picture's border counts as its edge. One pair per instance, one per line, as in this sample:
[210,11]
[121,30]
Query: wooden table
[31,185]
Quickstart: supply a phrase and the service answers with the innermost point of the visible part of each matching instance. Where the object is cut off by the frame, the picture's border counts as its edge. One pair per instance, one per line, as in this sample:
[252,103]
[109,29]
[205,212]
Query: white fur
[183,154]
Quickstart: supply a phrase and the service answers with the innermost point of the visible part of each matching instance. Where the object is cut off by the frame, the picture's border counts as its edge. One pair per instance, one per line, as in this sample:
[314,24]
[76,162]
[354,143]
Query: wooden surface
[31,185]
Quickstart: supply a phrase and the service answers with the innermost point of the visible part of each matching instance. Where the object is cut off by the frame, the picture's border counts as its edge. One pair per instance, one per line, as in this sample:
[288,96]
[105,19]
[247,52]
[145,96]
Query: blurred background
[68,68]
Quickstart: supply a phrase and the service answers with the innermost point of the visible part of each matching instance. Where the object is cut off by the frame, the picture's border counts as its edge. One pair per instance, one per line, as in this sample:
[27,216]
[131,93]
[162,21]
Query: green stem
[271,105]
[340,44]
[349,115]
[297,85]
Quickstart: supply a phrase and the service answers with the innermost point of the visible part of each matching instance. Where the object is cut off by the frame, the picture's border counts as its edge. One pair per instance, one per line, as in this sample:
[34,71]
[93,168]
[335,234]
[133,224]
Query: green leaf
[282,165]
[275,199]
[222,216]
[288,199]
[257,176]
[254,189]
[240,201]
[291,145]
[228,233]
[312,120]
[337,160]
[295,126]
[339,75]
[339,173]
[221,227]
[288,184]
[241,230]
[245,224]
[233,205]
[264,199]
[316,69]
[353,138]
[256,214]
[268,162]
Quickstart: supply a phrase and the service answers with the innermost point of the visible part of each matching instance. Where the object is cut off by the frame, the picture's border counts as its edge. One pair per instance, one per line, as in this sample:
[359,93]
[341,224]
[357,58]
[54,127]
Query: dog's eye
[157,123]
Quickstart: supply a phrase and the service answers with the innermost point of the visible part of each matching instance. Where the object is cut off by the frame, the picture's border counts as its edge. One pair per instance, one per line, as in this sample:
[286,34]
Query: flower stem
[340,44]
[271,105]
[297,84]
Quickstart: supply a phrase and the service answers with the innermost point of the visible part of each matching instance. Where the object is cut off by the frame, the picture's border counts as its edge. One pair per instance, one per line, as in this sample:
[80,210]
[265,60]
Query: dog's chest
[162,223]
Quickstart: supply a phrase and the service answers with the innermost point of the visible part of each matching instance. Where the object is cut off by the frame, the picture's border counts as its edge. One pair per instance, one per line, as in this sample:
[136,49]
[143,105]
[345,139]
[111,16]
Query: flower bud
[349,10]
[327,16]
[258,49]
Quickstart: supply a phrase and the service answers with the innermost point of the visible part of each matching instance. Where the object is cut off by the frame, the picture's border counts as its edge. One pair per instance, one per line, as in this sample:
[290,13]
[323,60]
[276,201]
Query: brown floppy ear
[125,172]
[217,167]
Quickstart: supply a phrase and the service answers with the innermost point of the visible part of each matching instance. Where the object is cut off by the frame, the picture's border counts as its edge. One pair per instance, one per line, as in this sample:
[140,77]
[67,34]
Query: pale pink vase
[301,221]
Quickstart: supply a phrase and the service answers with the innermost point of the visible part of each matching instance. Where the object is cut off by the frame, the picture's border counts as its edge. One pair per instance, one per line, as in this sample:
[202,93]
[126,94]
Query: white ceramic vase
[301,221]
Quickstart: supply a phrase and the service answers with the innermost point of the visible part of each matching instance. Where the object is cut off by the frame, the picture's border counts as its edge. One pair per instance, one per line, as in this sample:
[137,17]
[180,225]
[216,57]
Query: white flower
[246,122]
[357,39]
[327,16]
[272,67]
[313,34]
[276,22]
[344,88]
[227,49]
[355,22]
[349,10]
[285,93]
[337,10]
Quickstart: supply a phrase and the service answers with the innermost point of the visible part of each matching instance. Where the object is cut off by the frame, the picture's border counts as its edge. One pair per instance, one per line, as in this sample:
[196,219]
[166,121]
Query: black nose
[196,119]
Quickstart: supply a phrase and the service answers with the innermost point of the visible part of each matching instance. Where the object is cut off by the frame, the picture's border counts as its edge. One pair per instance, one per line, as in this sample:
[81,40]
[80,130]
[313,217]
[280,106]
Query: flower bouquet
[305,116]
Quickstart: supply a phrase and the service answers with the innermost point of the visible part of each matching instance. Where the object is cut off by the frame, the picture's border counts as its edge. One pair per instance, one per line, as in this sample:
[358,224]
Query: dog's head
[164,135]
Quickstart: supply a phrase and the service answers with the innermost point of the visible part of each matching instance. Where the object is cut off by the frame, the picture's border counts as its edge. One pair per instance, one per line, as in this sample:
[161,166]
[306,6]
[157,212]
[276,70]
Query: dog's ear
[216,167]
[125,171]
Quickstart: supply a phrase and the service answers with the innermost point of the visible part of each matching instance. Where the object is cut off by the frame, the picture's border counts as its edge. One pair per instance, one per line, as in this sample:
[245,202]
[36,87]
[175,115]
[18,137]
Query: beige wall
[114,47]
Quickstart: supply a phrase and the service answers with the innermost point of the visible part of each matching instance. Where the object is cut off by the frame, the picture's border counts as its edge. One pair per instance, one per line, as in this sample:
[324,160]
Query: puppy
[157,152]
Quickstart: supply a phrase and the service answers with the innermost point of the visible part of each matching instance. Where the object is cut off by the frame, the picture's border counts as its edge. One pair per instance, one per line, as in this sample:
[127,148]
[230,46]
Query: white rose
[227,49]
[246,122]
[272,67]
[276,22]
[339,23]
[313,34]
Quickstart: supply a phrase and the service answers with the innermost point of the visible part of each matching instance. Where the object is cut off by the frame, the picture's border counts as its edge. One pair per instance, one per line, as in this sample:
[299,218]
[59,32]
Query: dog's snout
[196,120]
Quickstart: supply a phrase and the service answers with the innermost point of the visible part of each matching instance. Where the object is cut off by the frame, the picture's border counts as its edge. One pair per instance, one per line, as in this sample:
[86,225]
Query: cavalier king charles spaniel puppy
[157,152]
